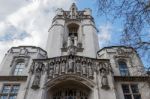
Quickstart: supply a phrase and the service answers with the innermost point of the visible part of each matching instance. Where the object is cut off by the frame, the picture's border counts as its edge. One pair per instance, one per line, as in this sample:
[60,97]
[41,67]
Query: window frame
[73,29]
[123,71]
[18,69]
[17,59]
[10,93]
[131,93]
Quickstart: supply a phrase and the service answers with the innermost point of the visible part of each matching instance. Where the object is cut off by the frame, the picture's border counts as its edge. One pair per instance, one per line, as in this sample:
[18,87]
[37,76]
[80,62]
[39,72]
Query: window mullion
[131,91]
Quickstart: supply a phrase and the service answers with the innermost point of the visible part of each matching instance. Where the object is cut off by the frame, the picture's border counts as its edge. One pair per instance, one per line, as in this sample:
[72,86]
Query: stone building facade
[73,66]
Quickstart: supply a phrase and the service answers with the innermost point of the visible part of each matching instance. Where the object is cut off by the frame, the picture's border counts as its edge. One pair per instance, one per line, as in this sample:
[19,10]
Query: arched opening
[123,68]
[19,67]
[72,34]
[69,90]
[73,29]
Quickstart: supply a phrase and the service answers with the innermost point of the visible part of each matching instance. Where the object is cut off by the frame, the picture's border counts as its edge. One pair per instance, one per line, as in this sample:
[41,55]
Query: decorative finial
[73,6]
[73,11]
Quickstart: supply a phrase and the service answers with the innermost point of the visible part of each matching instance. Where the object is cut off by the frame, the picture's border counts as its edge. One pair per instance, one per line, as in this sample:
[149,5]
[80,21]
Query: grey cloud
[26,24]
[8,7]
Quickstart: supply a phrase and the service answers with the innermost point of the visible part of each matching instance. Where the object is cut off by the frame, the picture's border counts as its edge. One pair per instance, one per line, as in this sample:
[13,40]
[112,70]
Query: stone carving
[63,66]
[39,67]
[72,50]
[73,11]
[17,59]
[84,68]
[122,52]
[72,45]
[23,52]
[104,79]
[57,68]
[51,69]
[90,71]
[78,66]
[71,64]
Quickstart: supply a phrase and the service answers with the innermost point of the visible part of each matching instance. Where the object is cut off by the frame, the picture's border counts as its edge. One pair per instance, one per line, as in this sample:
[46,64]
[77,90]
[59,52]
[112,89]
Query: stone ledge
[13,78]
[132,78]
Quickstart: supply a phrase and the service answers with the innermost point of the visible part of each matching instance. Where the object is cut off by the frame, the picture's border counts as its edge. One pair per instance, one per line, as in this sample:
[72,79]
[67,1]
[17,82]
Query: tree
[135,15]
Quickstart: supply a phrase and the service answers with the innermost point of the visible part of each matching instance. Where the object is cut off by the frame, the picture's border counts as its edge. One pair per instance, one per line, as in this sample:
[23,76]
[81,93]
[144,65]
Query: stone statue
[70,64]
[84,68]
[57,68]
[78,68]
[72,40]
[90,71]
[104,79]
[63,66]
[72,45]
[38,71]
[73,13]
[71,50]
[51,69]
[32,68]
[36,81]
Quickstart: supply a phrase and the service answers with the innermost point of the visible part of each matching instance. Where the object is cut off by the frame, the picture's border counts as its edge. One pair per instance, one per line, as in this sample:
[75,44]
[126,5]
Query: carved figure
[90,71]
[51,69]
[38,72]
[84,68]
[57,68]
[71,65]
[104,80]
[72,50]
[36,81]
[72,40]
[78,67]
[63,66]
[73,13]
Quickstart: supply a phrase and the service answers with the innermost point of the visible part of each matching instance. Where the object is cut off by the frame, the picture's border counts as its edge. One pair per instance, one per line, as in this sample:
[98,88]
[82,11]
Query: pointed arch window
[73,29]
[19,68]
[123,68]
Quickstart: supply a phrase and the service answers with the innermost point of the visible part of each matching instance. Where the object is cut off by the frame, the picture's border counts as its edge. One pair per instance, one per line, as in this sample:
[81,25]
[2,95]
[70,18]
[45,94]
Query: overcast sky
[26,22]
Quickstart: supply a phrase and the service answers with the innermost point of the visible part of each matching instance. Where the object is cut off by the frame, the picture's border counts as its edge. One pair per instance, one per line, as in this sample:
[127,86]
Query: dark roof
[121,46]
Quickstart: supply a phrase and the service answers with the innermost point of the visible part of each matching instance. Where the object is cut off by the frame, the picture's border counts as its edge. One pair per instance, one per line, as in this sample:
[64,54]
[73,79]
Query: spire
[73,11]
[73,7]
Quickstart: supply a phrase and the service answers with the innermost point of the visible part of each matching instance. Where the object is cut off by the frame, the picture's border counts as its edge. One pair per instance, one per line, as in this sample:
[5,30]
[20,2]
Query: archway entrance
[69,90]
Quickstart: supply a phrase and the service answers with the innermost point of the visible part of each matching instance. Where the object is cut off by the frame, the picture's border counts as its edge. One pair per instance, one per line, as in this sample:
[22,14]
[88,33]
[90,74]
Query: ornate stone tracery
[69,65]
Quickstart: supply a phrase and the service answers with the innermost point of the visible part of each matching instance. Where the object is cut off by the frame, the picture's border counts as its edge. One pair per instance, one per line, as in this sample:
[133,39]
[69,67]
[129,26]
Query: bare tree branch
[136,21]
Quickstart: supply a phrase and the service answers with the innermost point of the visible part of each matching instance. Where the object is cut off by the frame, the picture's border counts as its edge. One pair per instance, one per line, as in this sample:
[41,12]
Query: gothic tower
[72,67]
[72,32]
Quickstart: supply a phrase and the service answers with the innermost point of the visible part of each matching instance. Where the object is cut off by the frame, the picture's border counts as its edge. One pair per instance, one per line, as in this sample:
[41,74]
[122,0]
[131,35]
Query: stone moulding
[50,83]
[71,64]
[84,67]
[13,78]
[132,78]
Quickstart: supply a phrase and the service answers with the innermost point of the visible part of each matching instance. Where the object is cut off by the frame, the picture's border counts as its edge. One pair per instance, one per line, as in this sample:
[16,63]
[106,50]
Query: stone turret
[72,32]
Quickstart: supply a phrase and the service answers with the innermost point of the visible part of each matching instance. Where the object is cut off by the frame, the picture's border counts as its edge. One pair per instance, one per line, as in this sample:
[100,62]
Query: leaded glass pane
[6,89]
[125,88]
[3,97]
[123,69]
[15,89]
[19,68]
[137,96]
[127,97]
[134,88]
[12,97]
